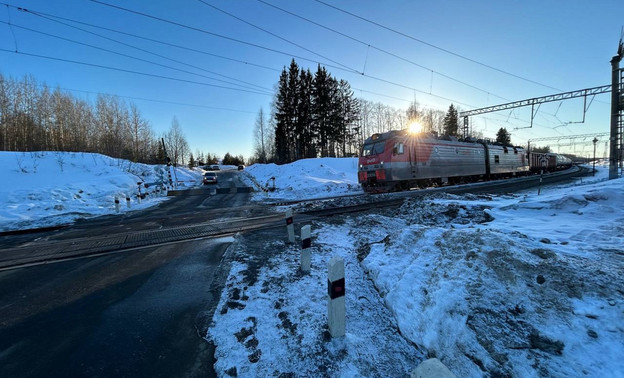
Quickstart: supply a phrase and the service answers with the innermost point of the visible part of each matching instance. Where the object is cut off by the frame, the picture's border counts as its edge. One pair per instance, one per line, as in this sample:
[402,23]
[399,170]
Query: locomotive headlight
[382,163]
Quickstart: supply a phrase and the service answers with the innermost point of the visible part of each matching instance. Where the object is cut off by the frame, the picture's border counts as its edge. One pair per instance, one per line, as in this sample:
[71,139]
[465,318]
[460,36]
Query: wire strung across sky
[350,70]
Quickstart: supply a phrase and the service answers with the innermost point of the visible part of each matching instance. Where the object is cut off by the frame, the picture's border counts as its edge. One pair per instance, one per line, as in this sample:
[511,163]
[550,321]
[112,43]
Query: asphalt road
[137,313]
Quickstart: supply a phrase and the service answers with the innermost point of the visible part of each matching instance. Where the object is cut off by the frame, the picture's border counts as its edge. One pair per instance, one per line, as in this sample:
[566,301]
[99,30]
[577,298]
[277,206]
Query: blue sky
[562,45]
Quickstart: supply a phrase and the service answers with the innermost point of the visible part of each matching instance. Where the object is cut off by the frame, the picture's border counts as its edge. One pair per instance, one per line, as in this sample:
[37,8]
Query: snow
[42,189]
[509,285]
[305,179]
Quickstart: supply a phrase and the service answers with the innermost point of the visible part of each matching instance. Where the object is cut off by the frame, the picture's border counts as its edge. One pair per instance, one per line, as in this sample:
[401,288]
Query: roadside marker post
[128,200]
[306,243]
[116,204]
[290,227]
[336,306]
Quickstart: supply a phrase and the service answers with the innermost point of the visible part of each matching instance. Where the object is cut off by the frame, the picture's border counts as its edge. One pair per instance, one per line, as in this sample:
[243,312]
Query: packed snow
[507,285]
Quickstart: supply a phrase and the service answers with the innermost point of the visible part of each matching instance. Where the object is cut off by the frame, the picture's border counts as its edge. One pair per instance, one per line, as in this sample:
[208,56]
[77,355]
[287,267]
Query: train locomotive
[399,160]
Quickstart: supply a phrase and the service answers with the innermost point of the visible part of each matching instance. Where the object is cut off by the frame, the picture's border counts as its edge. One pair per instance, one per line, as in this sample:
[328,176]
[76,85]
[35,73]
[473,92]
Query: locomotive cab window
[496,159]
[373,149]
[398,149]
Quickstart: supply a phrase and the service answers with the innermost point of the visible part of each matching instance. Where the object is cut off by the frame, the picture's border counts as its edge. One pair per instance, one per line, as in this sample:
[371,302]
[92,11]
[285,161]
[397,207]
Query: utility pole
[594,168]
[616,107]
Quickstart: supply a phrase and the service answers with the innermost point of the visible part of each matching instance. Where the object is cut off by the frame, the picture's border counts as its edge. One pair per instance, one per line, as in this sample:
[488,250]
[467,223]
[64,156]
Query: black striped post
[116,204]
[306,243]
[128,200]
[290,227]
[336,298]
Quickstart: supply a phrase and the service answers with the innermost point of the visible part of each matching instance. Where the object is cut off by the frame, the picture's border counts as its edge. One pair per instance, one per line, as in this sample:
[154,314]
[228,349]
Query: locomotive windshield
[373,149]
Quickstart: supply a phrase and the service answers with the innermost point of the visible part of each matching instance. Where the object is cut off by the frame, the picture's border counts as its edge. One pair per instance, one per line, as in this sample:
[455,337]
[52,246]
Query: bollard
[539,188]
[128,200]
[138,198]
[116,204]
[336,298]
[290,227]
[306,243]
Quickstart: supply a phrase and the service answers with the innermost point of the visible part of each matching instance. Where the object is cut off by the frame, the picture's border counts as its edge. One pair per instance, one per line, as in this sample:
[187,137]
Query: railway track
[50,251]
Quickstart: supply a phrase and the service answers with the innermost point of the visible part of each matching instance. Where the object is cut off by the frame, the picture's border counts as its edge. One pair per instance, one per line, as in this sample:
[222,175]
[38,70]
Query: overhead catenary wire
[435,46]
[277,51]
[216,34]
[276,36]
[130,71]
[349,71]
[159,101]
[369,45]
[38,13]
[268,91]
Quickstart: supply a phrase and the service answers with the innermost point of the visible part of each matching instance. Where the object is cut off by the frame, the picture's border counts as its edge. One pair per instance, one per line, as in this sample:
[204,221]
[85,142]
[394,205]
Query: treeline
[34,117]
[318,116]
[313,115]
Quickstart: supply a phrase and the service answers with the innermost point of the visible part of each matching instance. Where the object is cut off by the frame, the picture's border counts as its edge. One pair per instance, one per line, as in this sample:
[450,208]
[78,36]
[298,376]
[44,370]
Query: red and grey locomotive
[399,160]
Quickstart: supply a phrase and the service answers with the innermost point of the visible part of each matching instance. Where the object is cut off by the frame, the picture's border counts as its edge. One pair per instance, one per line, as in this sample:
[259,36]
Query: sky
[472,54]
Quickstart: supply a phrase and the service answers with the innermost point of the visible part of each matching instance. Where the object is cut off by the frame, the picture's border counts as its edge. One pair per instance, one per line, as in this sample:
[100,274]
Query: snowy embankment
[516,285]
[42,189]
[305,179]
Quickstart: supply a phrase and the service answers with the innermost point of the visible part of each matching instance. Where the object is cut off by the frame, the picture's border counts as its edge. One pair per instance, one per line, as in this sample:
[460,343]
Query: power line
[37,13]
[239,41]
[158,101]
[129,71]
[379,49]
[434,46]
[54,19]
[132,57]
[275,35]
[213,34]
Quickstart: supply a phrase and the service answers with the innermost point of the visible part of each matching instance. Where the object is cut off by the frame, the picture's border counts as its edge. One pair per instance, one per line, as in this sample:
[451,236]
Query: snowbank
[42,189]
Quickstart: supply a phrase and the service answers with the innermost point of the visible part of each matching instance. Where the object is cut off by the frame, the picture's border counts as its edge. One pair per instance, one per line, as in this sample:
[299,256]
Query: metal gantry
[617,110]
[536,101]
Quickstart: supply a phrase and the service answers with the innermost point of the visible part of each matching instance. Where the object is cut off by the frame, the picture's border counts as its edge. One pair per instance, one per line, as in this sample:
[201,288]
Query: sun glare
[415,127]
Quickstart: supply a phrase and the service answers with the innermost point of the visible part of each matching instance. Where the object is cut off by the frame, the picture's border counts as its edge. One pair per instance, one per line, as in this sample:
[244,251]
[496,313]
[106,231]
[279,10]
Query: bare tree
[261,136]
[177,146]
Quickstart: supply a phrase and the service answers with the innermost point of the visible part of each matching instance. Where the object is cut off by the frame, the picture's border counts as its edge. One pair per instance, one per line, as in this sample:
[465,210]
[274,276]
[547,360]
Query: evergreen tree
[281,119]
[503,137]
[451,122]
[322,109]
[303,129]
[191,163]
[349,115]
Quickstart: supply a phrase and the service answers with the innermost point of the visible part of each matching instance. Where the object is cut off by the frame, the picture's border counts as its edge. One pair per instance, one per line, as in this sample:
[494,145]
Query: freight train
[399,160]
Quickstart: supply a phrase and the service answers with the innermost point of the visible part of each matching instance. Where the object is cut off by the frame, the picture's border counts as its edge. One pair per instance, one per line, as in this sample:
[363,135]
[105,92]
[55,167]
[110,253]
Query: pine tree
[451,124]
[503,137]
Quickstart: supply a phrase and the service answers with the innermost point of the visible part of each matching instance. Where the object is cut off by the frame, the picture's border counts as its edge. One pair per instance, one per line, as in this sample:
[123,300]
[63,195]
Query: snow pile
[307,178]
[42,189]
[534,292]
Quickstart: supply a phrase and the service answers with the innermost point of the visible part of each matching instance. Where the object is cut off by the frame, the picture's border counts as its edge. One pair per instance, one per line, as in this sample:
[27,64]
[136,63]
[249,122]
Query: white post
[336,298]
[128,200]
[116,204]
[306,243]
[290,226]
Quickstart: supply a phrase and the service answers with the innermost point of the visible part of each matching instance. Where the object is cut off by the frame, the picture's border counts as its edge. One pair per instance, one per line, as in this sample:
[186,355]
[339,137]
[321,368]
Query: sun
[415,127]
